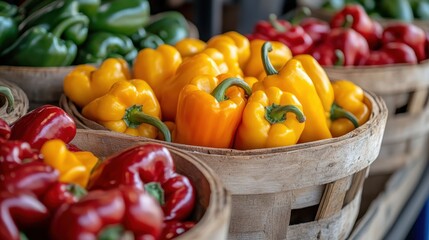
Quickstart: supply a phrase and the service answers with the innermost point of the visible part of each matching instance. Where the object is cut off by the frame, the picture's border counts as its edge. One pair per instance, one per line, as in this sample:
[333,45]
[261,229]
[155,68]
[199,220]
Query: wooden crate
[405,89]
[306,191]
[213,205]
[383,198]
[20,103]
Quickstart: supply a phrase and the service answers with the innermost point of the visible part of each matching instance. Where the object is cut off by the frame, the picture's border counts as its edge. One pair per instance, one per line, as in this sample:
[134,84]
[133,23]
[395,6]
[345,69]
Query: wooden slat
[418,100]
[356,186]
[333,198]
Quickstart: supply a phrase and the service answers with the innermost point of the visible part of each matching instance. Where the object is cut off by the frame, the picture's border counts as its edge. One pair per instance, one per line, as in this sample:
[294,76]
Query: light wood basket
[20,105]
[405,89]
[213,205]
[305,191]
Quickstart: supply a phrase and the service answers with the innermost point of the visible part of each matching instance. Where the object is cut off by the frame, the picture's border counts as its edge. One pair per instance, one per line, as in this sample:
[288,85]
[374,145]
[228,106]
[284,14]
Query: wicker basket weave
[20,105]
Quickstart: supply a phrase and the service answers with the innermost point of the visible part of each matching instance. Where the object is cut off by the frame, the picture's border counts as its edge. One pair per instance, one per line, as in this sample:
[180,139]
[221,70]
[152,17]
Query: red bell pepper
[4,129]
[5,91]
[42,124]
[351,44]
[109,215]
[354,15]
[35,177]
[407,33]
[14,153]
[392,53]
[62,193]
[19,210]
[172,229]
[268,29]
[149,167]
[317,29]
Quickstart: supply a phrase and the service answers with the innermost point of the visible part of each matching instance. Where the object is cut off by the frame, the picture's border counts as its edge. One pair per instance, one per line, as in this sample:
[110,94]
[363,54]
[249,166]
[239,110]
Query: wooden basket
[405,89]
[383,198]
[213,206]
[20,105]
[305,191]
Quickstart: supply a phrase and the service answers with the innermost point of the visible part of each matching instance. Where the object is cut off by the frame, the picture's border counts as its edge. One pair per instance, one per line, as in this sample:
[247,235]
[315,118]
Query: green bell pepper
[87,7]
[398,9]
[143,39]
[420,8]
[8,24]
[58,11]
[122,17]
[102,45]
[38,47]
[170,26]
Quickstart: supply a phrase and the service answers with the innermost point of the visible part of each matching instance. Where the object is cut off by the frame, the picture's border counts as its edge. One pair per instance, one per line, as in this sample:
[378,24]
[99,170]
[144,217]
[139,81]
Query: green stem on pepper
[277,113]
[219,91]
[339,112]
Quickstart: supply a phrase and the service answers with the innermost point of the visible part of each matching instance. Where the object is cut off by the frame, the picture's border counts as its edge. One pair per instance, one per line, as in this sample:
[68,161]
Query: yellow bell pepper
[243,45]
[271,118]
[86,83]
[156,65]
[129,107]
[278,57]
[207,115]
[227,47]
[293,78]
[188,47]
[351,109]
[320,80]
[74,167]
[200,64]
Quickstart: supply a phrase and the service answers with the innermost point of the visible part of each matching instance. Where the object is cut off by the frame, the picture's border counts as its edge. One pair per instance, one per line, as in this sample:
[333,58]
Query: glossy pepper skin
[7,93]
[391,53]
[58,11]
[278,115]
[350,97]
[208,115]
[293,78]
[265,28]
[19,210]
[38,47]
[243,46]
[87,7]
[42,124]
[121,17]
[278,57]
[74,167]
[60,193]
[4,129]
[229,49]
[409,34]
[143,39]
[103,45]
[170,26]
[149,167]
[353,47]
[86,82]
[156,65]
[172,229]
[129,107]
[355,16]
[8,24]
[199,64]
[398,9]
[13,153]
[316,28]
[188,47]
[109,215]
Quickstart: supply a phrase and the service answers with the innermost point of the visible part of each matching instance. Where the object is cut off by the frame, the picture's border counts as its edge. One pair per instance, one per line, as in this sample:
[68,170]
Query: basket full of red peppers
[351,38]
[51,189]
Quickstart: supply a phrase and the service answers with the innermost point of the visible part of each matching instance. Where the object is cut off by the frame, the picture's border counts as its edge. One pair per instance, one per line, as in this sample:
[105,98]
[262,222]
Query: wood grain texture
[21,103]
[213,207]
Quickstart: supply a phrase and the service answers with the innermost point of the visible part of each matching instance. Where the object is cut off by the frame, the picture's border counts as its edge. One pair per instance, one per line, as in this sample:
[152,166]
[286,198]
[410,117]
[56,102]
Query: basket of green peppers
[41,41]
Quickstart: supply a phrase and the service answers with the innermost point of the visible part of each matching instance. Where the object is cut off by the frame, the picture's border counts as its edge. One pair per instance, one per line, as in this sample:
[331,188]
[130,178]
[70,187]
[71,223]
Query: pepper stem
[219,91]
[297,15]
[22,236]
[62,26]
[340,57]
[348,21]
[156,191]
[269,68]
[275,23]
[277,113]
[339,112]
[9,97]
[76,190]
[134,116]
[114,232]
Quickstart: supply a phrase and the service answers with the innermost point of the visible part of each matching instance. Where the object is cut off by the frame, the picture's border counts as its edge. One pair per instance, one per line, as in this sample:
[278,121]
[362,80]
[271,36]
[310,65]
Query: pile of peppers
[51,189]
[351,38]
[69,32]
[228,92]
